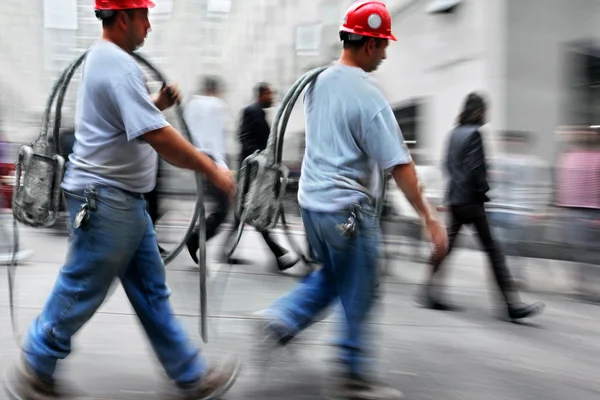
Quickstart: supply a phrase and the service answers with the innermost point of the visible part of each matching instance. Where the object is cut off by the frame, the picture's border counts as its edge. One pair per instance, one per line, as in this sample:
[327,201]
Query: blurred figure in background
[7,179]
[152,202]
[253,135]
[520,195]
[578,193]
[467,193]
[207,117]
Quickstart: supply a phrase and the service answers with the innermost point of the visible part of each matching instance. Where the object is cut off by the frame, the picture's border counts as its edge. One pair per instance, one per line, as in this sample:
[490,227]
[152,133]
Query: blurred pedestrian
[7,179]
[253,135]
[578,199]
[153,204]
[520,195]
[207,117]
[466,196]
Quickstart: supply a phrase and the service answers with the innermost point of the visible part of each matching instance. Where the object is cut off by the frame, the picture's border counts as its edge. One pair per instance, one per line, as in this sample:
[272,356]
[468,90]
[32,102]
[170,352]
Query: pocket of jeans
[369,223]
[114,199]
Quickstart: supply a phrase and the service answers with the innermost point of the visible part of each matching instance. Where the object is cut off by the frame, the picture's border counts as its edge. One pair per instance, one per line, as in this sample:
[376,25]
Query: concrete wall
[21,63]
[33,55]
[438,58]
[537,92]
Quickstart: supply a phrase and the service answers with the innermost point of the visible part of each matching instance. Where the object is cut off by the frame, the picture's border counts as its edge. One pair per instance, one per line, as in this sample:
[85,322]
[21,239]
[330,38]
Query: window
[219,6]
[408,117]
[308,40]
[60,33]
[583,80]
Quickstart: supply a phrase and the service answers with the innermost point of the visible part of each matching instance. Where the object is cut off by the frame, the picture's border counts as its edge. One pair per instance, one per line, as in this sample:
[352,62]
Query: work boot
[517,311]
[350,386]
[214,384]
[287,261]
[23,383]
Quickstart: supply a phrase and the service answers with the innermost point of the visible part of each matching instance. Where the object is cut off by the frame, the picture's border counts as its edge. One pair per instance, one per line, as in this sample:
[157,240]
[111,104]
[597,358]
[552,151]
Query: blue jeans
[118,242]
[348,274]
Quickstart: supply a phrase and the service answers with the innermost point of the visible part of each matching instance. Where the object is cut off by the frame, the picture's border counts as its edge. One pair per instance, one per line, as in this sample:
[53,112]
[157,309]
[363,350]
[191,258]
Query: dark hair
[109,17]
[356,42]
[261,89]
[211,84]
[472,112]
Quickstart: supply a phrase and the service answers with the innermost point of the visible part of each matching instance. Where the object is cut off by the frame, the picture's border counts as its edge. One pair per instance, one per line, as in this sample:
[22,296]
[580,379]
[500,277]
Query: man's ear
[123,20]
[371,45]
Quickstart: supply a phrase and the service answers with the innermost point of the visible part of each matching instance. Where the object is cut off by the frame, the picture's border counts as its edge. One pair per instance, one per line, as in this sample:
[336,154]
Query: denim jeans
[118,242]
[348,274]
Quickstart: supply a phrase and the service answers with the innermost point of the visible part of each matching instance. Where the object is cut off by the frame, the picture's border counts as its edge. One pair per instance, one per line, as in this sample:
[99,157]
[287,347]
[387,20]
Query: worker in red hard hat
[120,128]
[353,142]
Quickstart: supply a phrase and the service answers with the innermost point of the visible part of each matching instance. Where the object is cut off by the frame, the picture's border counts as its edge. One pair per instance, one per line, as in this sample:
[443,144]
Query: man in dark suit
[465,198]
[253,136]
[254,128]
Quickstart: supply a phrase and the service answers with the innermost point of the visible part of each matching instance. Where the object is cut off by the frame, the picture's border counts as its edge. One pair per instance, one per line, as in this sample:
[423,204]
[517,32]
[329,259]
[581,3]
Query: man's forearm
[407,181]
[176,150]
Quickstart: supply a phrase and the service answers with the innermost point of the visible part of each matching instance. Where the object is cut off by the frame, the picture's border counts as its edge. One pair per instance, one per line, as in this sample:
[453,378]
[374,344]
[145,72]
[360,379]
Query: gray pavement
[471,355]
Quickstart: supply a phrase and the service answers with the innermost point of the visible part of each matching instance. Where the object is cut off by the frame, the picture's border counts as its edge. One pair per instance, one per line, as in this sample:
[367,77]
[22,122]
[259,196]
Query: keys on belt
[349,228]
[83,215]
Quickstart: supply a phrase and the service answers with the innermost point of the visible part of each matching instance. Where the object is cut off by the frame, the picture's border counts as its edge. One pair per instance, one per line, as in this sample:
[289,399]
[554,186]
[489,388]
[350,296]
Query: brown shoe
[217,381]
[23,383]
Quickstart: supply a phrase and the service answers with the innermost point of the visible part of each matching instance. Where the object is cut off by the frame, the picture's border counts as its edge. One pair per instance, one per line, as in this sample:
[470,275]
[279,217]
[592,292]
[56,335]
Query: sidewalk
[542,275]
[429,355]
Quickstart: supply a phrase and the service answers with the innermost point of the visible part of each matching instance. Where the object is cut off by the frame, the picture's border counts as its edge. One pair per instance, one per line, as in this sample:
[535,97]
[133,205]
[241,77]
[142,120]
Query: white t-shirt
[114,109]
[351,134]
[207,118]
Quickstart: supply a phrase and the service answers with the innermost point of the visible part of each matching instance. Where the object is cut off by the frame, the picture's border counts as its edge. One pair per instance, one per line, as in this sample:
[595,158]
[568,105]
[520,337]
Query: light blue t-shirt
[114,109]
[351,134]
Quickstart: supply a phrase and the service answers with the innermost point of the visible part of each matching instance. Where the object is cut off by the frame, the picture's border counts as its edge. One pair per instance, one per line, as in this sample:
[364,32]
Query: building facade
[518,53]
[535,60]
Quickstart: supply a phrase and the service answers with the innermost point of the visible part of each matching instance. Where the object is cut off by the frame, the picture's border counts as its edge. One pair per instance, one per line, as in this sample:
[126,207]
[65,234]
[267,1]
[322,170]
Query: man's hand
[439,237]
[406,179]
[223,179]
[167,97]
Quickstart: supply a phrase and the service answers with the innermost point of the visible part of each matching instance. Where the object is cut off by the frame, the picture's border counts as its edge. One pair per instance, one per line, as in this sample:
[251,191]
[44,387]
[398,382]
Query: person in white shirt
[207,116]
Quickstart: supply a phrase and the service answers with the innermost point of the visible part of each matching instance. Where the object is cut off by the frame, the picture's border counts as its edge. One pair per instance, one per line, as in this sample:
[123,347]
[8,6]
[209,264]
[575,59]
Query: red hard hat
[368,18]
[122,4]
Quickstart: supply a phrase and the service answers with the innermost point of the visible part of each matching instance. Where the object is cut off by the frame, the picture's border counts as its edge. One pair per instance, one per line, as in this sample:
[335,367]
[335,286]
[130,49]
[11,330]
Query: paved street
[470,355]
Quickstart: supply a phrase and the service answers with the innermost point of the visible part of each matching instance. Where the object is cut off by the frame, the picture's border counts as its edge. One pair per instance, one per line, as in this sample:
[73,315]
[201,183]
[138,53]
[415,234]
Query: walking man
[253,135]
[351,137]
[466,196]
[119,128]
[206,116]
